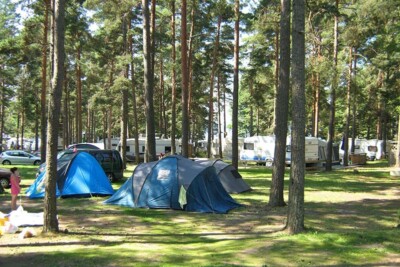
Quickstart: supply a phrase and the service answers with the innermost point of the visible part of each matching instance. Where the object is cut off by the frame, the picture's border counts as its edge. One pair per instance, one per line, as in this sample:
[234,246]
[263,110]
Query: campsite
[352,217]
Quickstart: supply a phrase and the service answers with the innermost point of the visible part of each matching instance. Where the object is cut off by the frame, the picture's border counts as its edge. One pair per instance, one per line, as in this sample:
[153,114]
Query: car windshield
[65,155]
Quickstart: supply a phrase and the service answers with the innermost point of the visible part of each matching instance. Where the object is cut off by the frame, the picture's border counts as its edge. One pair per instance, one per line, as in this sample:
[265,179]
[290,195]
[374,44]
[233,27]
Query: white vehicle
[315,150]
[163,147]
[373,148]
[226,145]
[259,149]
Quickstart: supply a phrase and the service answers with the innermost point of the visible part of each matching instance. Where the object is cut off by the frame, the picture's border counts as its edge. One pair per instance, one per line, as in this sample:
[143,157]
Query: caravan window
[248,146]
[167,149]
[372,148]
[288,148]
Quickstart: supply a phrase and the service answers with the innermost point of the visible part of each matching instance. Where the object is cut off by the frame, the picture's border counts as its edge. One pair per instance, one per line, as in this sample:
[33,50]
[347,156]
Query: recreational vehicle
[260,149]
[163,147]
[373,148]
[315,150]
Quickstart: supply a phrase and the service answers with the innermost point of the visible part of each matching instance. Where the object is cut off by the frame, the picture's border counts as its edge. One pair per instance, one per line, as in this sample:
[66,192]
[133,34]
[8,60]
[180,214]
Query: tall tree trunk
[65,117]
[348,104]
[37,112]
[125,88]
[185,78]
[43,118]
[219,116]
[58,56]
[354,104]
[317,88]
[251,123]
[153,34]
[277,51]
[134,105]
[398,144]
[235,96]
[2,110]
[173,85]
[211,95]
[295,221]
[332,106]
[190,67]
[109,119]
[78,109]
[148,85]
[276,197]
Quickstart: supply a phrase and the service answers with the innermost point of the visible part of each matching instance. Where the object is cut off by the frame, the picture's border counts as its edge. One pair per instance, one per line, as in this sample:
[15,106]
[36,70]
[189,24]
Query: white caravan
[163,147]
[373,148]
[315,150]
[226,145]
[259,149]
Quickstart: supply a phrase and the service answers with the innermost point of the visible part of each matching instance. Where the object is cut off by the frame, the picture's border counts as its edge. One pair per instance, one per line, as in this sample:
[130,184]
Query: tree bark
[78,109]
[295,221]
[219,116]
[185,78]
[43,118]
[398,144]
[134,104]
[332,106]
[211,95]
[235,96]
[125,87]
[173,85]
[148,85]
[348,103]
[58,56]
[276,197]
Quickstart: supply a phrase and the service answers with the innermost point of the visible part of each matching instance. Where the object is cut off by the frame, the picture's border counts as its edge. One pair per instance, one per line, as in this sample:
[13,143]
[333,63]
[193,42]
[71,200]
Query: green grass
[350,215]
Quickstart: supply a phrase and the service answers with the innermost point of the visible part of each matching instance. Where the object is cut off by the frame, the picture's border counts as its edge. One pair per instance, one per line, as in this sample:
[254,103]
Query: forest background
[104,68]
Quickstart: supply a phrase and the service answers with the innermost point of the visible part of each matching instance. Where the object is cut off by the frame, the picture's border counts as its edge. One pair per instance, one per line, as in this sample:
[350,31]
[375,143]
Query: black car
[5,178]
[110,160]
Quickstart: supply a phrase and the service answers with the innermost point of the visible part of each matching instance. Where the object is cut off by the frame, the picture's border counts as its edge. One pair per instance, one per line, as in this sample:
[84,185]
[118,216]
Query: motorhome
[163,147]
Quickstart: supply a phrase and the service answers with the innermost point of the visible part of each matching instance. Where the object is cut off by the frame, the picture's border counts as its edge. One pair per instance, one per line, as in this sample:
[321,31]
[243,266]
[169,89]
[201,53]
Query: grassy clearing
[351,218]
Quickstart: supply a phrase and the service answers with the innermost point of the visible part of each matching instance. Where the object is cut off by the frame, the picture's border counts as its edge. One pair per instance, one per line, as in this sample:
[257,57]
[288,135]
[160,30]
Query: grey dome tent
[230,178]
[174,182]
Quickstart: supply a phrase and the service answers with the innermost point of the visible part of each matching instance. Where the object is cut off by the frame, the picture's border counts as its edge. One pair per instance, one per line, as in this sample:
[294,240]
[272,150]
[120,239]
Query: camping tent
[174,182]
[82,176]
[230,178]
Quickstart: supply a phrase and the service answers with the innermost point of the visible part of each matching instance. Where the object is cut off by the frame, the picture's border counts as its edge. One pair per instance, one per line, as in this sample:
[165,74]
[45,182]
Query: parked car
[18,157]
[82,146]
[5,178]
[109,160]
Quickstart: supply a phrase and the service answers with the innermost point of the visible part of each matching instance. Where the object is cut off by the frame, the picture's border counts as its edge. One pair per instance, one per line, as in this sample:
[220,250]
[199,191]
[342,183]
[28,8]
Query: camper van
[163,147]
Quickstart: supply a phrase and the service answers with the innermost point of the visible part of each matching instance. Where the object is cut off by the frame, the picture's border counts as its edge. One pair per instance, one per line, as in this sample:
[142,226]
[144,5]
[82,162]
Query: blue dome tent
[174,182]
[82,176]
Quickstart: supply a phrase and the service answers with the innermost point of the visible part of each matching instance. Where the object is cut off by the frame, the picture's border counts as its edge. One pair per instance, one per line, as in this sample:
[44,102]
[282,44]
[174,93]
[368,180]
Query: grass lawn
[351,217]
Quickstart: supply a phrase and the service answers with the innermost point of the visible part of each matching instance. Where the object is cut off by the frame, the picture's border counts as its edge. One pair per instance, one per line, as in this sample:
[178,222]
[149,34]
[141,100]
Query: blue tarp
[174,182]
[82,176]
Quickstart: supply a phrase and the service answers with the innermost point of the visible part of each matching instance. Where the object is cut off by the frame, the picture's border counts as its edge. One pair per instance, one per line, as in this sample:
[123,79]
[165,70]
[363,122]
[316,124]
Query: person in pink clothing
[15,180]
